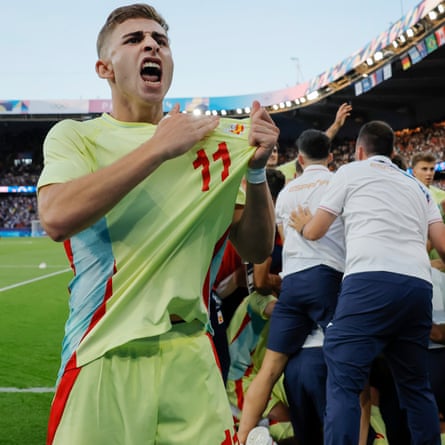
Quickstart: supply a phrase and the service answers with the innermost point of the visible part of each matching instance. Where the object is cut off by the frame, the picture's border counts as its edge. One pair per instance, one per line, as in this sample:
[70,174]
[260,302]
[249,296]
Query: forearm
[270,284]
[311,231]
[68,208]
[333,130]
[342,113]
[255,402]
[265,282]
[311,227]
[259,391]
[254,233]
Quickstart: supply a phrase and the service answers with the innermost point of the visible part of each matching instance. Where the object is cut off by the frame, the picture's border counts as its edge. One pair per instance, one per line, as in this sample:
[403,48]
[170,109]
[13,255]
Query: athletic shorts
[308,298]
[164,390]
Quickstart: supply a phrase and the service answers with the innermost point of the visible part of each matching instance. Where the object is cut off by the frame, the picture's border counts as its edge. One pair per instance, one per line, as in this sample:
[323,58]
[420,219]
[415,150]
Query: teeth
[151,65]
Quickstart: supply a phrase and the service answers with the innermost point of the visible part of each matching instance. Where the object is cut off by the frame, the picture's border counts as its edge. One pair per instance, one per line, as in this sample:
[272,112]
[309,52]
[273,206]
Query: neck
[323,162]
[131,111]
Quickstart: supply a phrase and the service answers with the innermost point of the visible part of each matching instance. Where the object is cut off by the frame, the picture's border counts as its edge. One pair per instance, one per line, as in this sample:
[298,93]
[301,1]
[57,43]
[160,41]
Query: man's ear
[300,159]
[359,153]
[104,70]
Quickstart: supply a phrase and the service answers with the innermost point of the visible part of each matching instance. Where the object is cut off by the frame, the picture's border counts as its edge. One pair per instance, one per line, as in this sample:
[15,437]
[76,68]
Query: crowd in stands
[408,143]
[18,211]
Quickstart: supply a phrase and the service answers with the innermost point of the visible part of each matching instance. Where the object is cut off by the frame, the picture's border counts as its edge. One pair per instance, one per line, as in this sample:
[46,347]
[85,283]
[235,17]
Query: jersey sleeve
[65,153]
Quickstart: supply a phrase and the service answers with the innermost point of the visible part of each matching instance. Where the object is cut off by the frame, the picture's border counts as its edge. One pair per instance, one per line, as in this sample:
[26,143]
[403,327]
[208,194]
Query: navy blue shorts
[308,298]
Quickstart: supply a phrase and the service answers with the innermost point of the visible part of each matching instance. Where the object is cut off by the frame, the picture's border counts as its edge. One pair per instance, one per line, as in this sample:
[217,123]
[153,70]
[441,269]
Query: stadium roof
[410,98]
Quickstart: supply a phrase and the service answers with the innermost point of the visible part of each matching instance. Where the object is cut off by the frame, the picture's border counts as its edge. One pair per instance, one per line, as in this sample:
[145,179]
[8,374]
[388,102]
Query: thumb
[255,107]
[175,109]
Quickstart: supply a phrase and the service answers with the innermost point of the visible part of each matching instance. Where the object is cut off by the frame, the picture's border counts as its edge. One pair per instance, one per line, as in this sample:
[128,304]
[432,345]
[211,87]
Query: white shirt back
[299,253]
[386,213]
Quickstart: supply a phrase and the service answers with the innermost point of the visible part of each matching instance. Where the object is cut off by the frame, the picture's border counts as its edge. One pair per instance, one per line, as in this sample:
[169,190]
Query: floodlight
[432,15]
[378,56]
[312,95]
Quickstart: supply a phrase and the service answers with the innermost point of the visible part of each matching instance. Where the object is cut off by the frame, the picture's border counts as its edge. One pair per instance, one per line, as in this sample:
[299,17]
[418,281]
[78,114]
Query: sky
[225,48]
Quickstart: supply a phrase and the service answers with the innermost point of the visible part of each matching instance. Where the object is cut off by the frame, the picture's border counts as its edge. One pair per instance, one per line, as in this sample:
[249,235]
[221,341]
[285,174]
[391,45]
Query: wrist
[256,175]
[302,230]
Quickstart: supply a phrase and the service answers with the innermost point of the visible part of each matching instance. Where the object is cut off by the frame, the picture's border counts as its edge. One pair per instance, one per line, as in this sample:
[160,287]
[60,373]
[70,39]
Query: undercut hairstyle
[275,180]
[124,13]
[377,138]
[314,144]
[426,156]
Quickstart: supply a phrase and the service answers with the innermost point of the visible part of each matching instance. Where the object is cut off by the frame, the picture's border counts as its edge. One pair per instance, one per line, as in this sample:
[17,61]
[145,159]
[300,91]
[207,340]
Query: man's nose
[150,44]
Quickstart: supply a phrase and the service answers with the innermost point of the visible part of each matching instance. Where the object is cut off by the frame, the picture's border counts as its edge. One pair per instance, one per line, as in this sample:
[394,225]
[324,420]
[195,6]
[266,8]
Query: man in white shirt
[312,276]
[385,302]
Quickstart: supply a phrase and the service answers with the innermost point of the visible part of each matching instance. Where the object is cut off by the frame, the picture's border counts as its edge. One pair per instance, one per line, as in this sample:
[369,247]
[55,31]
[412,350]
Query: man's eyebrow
[140,35]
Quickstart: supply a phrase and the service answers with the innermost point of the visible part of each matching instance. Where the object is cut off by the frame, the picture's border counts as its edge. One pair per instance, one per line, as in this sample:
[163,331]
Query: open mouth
[151,72]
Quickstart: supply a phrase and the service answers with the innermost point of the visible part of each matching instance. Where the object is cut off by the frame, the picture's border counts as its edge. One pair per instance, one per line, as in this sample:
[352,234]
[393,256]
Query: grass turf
[33,310]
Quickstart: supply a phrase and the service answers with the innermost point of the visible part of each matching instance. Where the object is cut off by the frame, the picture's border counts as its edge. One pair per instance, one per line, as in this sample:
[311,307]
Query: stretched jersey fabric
[244,332]
[157,251]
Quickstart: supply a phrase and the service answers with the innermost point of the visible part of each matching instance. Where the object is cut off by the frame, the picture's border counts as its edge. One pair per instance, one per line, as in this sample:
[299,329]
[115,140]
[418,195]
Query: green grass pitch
[34,276]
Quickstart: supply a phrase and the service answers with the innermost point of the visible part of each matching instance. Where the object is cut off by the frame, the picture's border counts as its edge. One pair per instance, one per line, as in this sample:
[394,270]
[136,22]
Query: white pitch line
[34,390]
[33,280]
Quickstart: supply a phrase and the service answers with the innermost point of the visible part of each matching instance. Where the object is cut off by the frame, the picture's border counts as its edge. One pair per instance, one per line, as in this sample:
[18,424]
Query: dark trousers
[380,312]
[305,385]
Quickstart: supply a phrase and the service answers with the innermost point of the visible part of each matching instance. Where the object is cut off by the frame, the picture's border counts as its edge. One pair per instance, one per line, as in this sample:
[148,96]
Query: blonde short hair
[124,13]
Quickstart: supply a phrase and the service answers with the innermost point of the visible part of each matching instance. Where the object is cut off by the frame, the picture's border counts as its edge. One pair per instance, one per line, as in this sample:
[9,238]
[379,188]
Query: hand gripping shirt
[158,250]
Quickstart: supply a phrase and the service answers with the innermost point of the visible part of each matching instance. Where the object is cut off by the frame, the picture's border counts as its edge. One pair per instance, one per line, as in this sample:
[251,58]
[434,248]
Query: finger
[176,109]
[262,116]
[255,107]
[204,124]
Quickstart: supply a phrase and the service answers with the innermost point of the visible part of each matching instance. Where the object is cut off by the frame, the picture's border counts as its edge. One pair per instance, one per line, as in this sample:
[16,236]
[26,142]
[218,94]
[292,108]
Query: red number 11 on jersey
[203,161]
